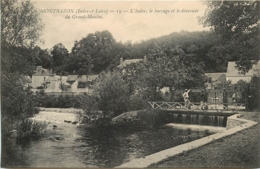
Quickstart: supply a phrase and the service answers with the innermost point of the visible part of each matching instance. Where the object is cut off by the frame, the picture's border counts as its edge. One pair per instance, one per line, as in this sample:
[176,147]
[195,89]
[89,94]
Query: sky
[138,20]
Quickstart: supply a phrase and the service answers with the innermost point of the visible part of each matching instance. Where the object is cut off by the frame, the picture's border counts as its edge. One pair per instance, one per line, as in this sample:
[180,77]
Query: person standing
[203,100]
[234,96]
[186,98]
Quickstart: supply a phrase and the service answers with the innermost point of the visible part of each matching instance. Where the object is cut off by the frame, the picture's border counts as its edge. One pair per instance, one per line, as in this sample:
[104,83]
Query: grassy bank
[239,150]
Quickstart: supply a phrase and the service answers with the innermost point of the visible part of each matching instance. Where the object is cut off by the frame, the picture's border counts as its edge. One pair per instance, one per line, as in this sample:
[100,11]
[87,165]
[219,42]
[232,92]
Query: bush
[17,103]
[113,93]
[60,101]
[98,118]
[29,129]
[137,102]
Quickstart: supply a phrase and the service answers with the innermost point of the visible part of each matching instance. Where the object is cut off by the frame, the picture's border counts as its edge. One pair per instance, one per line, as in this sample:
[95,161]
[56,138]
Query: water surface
[78,146]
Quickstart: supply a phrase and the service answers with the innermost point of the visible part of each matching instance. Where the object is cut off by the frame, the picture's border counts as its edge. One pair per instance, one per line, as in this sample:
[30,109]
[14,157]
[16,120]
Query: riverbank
[239,150]
[69,145]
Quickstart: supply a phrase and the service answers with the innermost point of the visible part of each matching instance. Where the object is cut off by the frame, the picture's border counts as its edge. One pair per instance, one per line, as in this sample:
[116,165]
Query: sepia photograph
[130,84]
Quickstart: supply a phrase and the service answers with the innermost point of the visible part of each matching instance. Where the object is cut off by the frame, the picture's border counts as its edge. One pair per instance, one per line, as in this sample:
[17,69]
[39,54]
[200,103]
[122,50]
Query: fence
[196,106]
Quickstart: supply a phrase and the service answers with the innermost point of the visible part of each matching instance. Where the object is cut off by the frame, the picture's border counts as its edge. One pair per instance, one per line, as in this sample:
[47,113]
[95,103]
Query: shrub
[17,103]
[113,93]
[137,102]
[28,129]
[60,101]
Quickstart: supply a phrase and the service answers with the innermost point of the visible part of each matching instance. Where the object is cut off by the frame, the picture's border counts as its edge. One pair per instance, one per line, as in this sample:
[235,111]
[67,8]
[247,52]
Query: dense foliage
[60,101]
[113,93]
[237,25]
[20,26]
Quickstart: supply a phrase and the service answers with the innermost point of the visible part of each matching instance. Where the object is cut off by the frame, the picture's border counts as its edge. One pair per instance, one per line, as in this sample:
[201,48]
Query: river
[79,146]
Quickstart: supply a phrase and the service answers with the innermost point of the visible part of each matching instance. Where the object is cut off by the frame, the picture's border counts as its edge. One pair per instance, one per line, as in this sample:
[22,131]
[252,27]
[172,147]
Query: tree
[42,57]
[237,23]
[17,60]
[100,46]
[166,67]
[113,93]
[79,61]
[17,103]
[59,54]
[20,27]
[20,23]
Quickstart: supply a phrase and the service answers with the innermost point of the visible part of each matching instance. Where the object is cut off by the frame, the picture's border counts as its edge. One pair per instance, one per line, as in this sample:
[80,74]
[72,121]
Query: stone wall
[234,121]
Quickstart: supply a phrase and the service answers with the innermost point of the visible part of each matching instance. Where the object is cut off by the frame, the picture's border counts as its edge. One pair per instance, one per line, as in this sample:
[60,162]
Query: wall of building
[235,79]
[74,87]
[38,80]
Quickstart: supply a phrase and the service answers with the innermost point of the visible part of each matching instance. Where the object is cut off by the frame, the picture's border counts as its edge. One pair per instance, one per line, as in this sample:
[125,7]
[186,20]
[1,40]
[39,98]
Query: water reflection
[102,147]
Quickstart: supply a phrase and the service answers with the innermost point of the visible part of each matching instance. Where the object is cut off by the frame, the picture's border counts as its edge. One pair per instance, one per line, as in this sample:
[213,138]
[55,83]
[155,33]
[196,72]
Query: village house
[40,76]
[233,75]
[79,84]
[53,85]
[123,63]
[215,80]
[43,79]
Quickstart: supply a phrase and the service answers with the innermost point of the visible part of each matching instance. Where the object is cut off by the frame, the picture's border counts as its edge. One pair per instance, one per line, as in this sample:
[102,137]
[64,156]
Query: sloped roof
[52,78]
[214,76]
[72,78]
[43,72]
[92,77]
[127,62]
[232,71]
[257,66]
[67,84]
[82,78]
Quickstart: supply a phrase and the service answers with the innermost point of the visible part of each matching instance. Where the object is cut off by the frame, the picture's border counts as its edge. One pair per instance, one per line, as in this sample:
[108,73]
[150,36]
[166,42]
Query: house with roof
[53,85]
[79,84]
[40,76]
[215,80]
[123,63]
[233,75]
[44,79]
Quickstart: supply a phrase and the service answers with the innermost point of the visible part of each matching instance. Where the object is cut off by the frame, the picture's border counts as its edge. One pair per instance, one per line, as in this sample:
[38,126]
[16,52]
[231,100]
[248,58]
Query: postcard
[129,84]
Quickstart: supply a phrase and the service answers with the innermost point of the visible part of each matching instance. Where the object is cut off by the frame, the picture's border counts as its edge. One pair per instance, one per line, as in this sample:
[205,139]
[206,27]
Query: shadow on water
[110,147]
[95,147]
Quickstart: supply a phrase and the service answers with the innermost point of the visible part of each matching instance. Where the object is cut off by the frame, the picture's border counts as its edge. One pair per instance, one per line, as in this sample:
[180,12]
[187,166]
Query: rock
[58,138]
[74,122]
[51,139]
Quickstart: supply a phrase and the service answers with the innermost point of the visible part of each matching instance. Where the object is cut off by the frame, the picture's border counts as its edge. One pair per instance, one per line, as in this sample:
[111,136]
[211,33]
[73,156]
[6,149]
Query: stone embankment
[128,119]
[235,125]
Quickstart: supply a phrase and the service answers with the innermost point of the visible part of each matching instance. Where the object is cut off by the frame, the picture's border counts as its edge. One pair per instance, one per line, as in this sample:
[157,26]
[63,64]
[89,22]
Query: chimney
[121,60]
[50,71]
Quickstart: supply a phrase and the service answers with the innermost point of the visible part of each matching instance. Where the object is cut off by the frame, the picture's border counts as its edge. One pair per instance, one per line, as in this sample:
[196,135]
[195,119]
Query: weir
[217,119]
[194,114]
